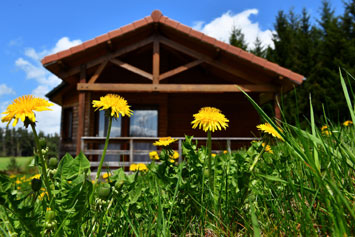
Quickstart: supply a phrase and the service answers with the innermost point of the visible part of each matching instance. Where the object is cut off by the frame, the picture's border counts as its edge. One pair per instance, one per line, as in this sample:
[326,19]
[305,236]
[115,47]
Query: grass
[22,162]
[302,185]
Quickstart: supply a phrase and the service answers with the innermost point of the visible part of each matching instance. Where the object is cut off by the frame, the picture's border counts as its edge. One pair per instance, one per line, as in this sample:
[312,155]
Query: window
[115,132]
[143,123]
[67,129]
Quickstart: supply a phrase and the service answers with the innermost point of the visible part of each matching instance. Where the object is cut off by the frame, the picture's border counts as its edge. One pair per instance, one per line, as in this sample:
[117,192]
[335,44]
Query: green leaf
[64,163]
[77,166]
[272,178]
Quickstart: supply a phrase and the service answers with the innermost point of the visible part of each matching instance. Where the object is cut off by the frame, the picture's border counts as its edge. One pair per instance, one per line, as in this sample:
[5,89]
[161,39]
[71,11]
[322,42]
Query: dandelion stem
[44,164]
[102,157]
[105,149]
[211,174]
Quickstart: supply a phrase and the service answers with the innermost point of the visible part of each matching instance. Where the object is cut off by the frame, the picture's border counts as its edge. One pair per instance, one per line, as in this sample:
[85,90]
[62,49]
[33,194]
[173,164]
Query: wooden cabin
[166,71]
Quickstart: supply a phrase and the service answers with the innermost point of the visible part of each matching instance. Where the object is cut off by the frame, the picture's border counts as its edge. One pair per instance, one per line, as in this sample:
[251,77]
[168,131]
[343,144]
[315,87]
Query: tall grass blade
[347,97]
[313,126]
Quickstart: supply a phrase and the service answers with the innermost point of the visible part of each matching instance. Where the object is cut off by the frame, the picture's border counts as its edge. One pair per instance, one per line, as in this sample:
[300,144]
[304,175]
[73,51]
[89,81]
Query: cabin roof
[157,18]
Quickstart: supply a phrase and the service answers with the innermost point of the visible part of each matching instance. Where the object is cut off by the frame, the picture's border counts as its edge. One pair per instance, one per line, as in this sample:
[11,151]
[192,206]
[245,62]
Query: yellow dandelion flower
[18,187]
[210,119]
[69,181]
[106,175]
[164,141]
[23,178]
[133,167]
[12,176]
[23,107]
[267,148]
[225,152]
[348,123]
[36,176]
[326,132]
[213,155]
[48,209]
[142,167]
[117,104]
[171,161]
[41,196]
[324,127]
[175,155]
[18,181]
[267,128]
[154,155]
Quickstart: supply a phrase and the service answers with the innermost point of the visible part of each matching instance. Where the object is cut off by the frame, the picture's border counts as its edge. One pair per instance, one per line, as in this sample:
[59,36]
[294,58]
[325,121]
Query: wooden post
[277,109]
[81,110]
[156,61]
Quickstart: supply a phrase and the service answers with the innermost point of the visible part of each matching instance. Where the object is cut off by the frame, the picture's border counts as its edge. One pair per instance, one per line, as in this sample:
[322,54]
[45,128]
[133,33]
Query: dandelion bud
[36,184]
[104,191]
[42,143]
[53,163]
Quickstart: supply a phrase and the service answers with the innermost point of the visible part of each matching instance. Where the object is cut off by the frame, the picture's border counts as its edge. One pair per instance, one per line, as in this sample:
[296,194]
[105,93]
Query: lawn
[22,162]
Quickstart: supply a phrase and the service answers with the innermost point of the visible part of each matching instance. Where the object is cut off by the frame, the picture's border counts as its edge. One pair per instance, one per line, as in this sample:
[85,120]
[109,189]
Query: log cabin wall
[175,113]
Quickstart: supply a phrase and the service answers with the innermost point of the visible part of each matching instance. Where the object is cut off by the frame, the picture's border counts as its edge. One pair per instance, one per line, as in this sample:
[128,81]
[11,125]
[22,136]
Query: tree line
[20,142]
[316,50]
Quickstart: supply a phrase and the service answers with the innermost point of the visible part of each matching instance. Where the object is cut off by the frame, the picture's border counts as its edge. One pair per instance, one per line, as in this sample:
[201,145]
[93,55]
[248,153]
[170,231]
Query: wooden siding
[175,113]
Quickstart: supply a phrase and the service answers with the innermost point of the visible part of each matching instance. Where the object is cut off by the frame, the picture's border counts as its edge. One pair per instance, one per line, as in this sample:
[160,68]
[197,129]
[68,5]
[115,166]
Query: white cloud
[221,27]
[48,121]
[5,90]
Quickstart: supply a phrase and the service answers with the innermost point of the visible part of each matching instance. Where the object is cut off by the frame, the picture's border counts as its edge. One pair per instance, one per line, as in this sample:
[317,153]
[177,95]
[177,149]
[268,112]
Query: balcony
[128,150]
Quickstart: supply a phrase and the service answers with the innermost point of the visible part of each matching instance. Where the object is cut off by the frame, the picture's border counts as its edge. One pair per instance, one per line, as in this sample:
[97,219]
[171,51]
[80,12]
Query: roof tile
[171,23]
[149,19]
[139,23]
[259,61]
[196,34]
[114,33]
[284,72]
[221,45]
[102,38]
[127,28]
[156,14]
[271,66]
[296,77]
[89,43]
[49,58]
[245,55]
[163,19]
[184,28]
[63,54]
[234,50]
[208,39]
[76,49]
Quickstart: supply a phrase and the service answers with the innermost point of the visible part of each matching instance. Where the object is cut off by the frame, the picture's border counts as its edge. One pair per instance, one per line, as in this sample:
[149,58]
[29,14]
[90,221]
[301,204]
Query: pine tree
[258,49]
[237,38]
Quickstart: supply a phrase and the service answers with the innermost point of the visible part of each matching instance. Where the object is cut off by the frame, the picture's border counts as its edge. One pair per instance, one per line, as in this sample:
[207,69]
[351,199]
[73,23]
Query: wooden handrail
[131,151]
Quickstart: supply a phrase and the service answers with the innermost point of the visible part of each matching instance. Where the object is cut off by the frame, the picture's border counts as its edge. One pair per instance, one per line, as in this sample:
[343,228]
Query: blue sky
[32,29]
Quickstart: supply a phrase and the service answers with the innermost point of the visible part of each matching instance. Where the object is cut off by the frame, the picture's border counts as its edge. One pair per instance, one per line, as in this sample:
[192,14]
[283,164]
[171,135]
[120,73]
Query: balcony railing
[93,147]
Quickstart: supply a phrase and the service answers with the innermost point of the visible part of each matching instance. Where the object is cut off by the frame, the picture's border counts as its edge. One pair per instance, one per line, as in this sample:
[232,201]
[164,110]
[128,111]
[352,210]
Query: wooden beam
[156,61]
[209,60]
[180,69]
[132,68]
[173,88]
[96,61]
[98,72]
[81,110]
